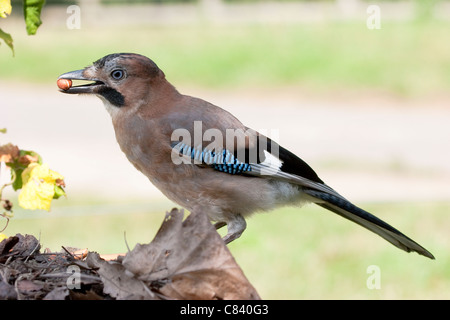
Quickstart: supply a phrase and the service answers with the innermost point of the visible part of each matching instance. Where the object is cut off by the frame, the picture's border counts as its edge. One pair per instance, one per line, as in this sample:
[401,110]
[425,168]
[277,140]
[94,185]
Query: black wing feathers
[290,162]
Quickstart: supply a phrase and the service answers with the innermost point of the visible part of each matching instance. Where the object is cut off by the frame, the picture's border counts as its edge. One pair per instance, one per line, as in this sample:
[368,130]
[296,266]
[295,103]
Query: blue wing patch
[223,161]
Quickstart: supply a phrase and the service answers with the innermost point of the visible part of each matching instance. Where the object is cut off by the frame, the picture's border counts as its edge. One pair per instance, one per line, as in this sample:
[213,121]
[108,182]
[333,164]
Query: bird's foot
[236,227]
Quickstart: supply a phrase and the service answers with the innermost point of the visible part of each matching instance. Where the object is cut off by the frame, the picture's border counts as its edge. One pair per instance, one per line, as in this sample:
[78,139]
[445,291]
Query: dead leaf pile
[187,259]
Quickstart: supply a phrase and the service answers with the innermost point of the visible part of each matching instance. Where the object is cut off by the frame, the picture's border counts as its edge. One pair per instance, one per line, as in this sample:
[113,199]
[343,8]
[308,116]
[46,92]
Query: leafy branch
[38,184]
[32,14]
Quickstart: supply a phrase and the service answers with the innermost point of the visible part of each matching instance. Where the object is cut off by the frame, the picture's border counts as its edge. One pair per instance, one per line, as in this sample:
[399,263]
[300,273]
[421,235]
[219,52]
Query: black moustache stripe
[113,96]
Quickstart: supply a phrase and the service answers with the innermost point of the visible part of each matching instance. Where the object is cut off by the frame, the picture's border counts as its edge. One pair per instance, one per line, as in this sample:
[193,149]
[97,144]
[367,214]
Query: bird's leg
[235,226]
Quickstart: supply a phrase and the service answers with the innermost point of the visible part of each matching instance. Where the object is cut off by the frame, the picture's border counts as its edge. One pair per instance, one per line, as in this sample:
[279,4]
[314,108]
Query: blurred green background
[312,52]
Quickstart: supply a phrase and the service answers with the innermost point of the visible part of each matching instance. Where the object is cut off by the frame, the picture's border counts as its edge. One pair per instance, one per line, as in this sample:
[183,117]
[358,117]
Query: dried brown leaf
[8,153]
[7,291]
[29,287]
[7,244]
[193,257]
[59,293]
[117,282]
[89,295]
[19,244]
[186,260]
[27,159]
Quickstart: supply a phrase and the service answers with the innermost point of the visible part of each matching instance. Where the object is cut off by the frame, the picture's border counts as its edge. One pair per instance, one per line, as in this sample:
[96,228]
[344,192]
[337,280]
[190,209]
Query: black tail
[351,212]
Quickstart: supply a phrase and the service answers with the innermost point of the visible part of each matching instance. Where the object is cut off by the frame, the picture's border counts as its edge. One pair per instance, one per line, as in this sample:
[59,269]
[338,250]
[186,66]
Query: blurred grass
[290,253]
[314,254]
[406,58]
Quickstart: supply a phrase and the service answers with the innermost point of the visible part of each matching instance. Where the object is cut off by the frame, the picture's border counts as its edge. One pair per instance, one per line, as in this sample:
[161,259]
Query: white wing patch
[271,164]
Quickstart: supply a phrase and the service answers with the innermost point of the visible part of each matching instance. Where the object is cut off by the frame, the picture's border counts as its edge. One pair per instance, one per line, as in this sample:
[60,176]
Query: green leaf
[32,13]
[8,39]
[59,191]
[18,168]
[18,183]
[3,130]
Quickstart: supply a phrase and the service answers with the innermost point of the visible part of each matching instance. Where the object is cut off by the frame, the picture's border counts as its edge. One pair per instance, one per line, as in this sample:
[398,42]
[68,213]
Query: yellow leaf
[5,8]
[38,187]
[2,237]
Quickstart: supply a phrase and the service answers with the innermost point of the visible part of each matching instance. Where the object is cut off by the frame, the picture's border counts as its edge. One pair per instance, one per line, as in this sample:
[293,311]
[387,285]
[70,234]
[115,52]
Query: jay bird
[227,170]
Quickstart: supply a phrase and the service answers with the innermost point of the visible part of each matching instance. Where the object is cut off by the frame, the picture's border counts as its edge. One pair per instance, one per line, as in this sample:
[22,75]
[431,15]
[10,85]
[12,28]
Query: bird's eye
[117,74]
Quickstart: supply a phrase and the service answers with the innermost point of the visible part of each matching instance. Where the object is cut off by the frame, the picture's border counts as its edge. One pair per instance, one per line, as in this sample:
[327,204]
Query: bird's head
[118,79]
